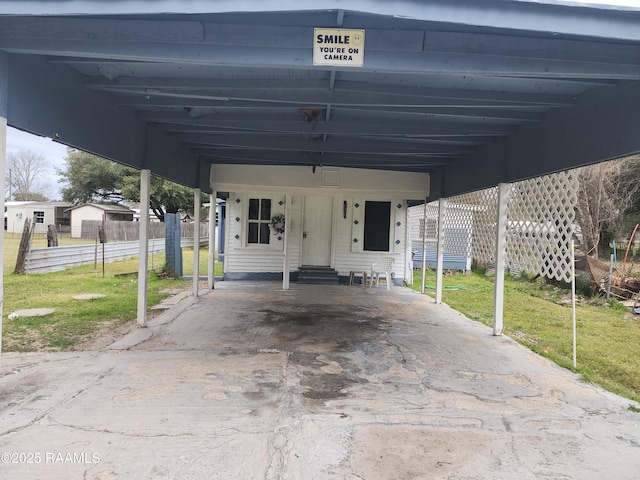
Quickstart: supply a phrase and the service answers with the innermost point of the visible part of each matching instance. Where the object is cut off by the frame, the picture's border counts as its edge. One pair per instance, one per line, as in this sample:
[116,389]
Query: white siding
[15,218]
[86,212]
[347,257]
[243,258]
[17,214]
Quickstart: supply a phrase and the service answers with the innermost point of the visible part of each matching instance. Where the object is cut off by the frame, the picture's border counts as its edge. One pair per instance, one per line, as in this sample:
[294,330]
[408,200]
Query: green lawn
[539,316]
[74,321]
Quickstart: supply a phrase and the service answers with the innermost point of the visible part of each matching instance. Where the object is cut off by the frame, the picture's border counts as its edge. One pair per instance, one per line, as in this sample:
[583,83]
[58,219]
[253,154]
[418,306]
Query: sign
[338,47]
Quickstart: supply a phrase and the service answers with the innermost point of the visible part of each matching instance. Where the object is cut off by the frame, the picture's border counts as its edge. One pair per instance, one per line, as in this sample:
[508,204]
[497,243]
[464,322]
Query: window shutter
[357,225]
[399,226]
[276,242]
[235,220]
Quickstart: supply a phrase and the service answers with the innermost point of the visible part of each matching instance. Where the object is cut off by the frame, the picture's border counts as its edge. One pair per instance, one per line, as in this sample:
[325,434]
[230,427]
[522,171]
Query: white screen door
[316,237]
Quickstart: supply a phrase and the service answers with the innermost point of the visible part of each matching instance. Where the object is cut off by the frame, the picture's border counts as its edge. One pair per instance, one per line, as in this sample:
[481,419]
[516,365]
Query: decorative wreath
[277,224]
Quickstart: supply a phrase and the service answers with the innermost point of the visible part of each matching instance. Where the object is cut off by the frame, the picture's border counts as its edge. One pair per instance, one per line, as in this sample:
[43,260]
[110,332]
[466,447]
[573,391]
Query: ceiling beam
[352,126]
[333,144]
[221,106]
[376,61]
[315,92]
[470,141]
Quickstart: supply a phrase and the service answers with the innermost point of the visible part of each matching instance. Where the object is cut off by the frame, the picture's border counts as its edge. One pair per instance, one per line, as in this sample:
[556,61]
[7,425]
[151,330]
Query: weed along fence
[112,250]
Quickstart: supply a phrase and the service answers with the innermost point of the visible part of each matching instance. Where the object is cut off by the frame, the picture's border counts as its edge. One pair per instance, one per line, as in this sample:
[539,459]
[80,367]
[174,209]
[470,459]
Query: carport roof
[474,93]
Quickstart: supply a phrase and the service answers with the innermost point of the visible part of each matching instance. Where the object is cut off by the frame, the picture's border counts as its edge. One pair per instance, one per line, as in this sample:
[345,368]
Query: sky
[624,3]
[55,153]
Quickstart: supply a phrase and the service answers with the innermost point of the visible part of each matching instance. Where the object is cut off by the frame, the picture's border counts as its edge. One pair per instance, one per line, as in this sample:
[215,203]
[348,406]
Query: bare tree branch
[607,191]
[24,170]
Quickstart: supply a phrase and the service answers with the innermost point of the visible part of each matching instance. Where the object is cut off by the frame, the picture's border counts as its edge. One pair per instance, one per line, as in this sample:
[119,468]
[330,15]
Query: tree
[89,178]
[165,196]
[24,169]
[607,190]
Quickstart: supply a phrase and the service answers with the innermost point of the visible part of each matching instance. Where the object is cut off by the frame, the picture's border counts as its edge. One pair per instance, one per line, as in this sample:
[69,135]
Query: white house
[152,216]
[339,218]
[43,214]
[97,212]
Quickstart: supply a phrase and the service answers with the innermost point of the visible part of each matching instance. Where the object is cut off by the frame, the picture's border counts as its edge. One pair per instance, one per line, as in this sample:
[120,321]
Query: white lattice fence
[540,220]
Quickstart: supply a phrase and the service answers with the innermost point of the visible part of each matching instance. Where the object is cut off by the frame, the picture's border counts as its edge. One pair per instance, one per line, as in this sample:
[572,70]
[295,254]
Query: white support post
[4,75]
[287,229]
[442,207]
[424,248]
[196,240]
[143,250]
[212,241]
[573,302]
[408,274]
[501,250]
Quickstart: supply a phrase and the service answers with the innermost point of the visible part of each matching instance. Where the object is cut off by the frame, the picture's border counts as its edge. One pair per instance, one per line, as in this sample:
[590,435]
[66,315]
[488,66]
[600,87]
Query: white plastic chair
[382,266]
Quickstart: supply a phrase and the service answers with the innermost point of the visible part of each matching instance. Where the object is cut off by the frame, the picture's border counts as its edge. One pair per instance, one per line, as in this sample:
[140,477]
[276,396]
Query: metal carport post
[501,243]
[143,253]
[4,80]
[442,208]
[196,240]
[211,265]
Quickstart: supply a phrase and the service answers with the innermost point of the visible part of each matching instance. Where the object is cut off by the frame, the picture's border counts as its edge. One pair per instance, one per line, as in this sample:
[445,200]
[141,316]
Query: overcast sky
[55,153]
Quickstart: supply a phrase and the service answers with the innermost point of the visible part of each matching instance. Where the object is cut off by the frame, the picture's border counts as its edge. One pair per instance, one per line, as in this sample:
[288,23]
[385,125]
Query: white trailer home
[43,214]
[457,235]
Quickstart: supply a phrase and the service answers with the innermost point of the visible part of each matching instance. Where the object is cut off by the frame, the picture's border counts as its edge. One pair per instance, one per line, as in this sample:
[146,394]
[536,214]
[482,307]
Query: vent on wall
[330,177]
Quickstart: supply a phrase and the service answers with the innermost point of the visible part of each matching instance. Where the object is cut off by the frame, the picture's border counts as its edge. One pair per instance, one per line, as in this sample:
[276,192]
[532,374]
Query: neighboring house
[42,213]
[339,218]
[152,216]
[457,239]
[97,212]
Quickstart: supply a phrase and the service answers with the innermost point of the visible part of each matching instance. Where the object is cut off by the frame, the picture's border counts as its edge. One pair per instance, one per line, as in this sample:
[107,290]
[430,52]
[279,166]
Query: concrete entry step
[318,275]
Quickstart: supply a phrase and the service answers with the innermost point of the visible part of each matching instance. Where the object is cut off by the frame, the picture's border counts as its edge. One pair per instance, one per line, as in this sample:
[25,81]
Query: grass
[539,317]
[74,321]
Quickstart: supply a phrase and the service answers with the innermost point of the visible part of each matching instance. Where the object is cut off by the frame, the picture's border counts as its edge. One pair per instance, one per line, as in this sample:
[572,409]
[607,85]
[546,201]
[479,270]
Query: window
[377,216]
[259,218]
[38,217]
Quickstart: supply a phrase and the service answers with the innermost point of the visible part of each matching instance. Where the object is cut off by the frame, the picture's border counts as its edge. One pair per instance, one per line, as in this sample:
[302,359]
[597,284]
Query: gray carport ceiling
[476,93]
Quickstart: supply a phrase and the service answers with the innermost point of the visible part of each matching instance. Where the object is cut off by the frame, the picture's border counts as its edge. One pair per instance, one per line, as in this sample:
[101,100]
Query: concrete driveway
[317,382]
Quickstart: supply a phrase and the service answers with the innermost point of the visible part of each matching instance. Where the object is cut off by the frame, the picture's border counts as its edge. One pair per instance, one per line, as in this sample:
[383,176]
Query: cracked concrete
[323,382]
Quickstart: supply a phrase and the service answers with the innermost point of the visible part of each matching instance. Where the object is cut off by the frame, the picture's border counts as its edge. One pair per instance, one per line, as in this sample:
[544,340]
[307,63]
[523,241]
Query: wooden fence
[130,231]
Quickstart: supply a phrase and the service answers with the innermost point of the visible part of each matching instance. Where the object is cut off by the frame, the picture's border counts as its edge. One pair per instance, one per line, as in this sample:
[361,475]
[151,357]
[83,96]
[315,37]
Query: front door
[317,231]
